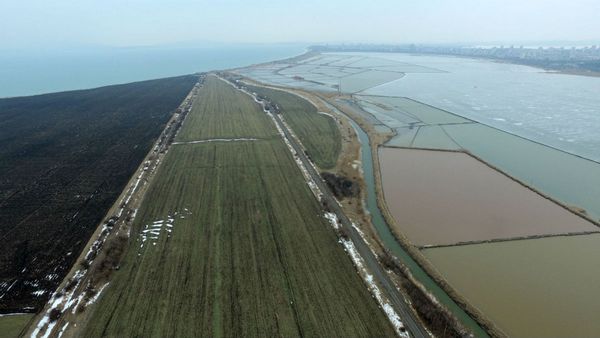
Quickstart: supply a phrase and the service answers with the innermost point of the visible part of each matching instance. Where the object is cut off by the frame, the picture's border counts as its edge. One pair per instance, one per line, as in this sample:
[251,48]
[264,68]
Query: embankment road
[398,301]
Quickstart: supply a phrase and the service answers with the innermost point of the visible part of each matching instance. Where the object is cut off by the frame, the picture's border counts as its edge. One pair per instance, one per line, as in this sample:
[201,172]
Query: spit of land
[230,241]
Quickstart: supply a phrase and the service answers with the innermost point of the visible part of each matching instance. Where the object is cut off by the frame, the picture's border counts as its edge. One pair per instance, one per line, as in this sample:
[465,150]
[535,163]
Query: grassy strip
[249,253]
[12,325]
[317,132]
[223,114]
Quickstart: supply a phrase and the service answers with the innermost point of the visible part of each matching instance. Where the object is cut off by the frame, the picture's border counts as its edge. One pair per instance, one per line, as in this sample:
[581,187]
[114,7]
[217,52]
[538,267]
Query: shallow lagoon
[555,109]
[573,180]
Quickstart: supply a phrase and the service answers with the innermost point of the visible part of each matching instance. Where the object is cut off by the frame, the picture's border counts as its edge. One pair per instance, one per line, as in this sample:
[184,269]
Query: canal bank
[409,256]
[448,278]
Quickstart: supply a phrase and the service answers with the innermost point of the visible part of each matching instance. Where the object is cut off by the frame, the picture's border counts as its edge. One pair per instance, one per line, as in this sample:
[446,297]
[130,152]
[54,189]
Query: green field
[223,113]
[249,253]
[12,325]
[318,133]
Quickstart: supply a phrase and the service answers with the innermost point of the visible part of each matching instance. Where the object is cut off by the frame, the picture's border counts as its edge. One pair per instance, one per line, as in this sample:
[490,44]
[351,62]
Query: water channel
[392,244]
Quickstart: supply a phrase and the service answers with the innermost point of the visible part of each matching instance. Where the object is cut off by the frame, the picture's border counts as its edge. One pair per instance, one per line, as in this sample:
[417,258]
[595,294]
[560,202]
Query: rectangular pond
[442,198]
[571,179]
[546,287]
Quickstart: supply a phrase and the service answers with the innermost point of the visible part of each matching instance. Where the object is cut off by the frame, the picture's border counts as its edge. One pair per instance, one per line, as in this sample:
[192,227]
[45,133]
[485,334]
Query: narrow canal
[392,244]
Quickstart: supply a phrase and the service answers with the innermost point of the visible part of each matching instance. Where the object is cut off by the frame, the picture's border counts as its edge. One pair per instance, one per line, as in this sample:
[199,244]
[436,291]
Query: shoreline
[140,76]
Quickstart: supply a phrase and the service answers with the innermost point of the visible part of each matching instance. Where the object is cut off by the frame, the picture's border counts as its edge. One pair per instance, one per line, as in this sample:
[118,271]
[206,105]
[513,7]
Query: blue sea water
[34,72]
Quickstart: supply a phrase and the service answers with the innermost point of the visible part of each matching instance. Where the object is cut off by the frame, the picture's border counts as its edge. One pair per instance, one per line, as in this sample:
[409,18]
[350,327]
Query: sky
[31,24]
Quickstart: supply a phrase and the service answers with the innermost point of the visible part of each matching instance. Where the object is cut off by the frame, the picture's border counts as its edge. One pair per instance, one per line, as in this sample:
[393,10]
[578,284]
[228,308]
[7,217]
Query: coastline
[575,72]
[134,65]
[546,70]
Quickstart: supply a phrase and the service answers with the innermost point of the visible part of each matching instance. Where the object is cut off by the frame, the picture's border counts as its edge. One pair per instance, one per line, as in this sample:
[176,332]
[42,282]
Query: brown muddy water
[547,287]
[441,198]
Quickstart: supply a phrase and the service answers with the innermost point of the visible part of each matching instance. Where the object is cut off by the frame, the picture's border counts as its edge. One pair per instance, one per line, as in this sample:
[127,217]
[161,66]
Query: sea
[31,72]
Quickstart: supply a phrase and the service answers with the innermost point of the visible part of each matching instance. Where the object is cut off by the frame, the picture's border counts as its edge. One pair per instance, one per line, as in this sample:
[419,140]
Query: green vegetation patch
[318,133]
[220,112]
[243,249]
[11,326]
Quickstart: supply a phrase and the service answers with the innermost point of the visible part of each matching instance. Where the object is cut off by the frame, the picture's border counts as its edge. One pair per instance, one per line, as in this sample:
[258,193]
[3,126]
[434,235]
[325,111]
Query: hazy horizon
[38,24]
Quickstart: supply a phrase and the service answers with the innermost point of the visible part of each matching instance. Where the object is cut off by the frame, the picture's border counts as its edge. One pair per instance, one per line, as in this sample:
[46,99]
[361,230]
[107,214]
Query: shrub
[343,233]
[341,186]
[54,315]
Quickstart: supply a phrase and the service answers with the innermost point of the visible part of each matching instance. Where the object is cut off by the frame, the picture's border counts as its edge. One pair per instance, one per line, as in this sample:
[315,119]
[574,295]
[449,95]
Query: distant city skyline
[42,24]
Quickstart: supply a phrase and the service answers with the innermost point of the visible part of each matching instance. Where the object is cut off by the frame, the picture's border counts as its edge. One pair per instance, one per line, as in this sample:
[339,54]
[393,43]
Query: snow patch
[326,114]
[389,311]
[45,322]
[217,140]
[38,293]
[77,302]
[333,220]
[97,295]
[13,314]
[62,330]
